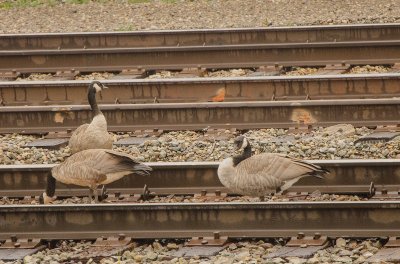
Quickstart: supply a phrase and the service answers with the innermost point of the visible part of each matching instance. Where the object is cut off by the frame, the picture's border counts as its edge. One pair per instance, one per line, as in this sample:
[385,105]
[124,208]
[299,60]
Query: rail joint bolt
[300,235]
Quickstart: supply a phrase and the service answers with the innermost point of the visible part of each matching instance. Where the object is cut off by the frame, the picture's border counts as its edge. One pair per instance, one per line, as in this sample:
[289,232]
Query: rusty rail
[198,37]
[203,89]
[353,219]
[181,220]
[216,56]
[189,116]
[346,177]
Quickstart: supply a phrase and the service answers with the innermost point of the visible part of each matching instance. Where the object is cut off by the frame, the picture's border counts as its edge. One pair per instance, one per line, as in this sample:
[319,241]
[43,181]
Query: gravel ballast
[295,71]
[127,15]
[320,143]
[245,251]
[316,196]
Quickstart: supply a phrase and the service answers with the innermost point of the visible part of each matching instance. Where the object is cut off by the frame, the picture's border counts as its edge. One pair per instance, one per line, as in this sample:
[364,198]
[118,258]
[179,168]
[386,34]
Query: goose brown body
[89,136]
[93,167]
[265,173]
[95,134]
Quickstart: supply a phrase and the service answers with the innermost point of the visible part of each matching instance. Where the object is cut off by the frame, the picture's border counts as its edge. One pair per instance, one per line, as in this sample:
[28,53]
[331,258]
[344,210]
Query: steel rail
[190,116]
[197,37]
[349,86]
[346,177]
[217,56]
[180,220]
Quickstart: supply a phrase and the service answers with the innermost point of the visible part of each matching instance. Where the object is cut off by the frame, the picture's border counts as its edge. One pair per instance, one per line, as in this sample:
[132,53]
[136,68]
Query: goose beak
[105,87]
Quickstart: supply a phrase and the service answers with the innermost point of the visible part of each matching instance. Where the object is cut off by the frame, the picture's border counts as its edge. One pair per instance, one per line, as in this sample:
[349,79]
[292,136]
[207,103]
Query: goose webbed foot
[103,194]
[45,199]
[280,192]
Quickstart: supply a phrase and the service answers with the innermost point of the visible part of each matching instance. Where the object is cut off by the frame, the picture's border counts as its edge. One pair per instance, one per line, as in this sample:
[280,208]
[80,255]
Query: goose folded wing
[109,161]
[277,166]
[80,173]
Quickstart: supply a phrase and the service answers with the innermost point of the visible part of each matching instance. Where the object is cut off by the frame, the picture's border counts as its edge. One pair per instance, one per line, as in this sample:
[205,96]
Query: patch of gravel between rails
[295,71]
[313,197]
[321,143]
[95,76]
[242,251]
[369,69]
[298,71]
[180,14]
[36,77]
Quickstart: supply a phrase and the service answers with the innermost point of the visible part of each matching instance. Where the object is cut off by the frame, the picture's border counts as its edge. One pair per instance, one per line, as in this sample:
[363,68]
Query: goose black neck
[51,185]
[92,100]
[244,155]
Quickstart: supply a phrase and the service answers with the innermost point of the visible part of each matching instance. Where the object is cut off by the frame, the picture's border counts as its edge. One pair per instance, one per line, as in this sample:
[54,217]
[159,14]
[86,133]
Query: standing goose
[95,134]
[264,173]
[91,168]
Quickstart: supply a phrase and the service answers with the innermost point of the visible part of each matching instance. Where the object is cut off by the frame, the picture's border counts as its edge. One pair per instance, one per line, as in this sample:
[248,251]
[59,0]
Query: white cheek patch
[97,87]
[245,143]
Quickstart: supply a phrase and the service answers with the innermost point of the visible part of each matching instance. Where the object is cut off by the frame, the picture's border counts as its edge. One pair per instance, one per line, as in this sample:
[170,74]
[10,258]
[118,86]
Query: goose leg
[91,194]
[103,194]
[96,197]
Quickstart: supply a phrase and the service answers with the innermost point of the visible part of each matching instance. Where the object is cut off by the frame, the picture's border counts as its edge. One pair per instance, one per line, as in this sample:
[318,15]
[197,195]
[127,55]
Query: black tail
[142,169]
[316,171]
[320,172]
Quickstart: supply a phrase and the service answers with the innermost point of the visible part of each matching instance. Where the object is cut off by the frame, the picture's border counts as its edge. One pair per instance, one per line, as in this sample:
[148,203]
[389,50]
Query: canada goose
[91,168]
[264,173]
[95,134]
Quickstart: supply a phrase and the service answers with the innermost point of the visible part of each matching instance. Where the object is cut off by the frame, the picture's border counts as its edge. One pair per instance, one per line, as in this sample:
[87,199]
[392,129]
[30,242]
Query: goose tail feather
[142,169]
[320,173]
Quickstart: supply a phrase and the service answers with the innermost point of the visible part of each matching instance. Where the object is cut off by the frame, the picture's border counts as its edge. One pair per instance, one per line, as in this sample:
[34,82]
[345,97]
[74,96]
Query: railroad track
[214,49]
[282,101]
[197,116]
[346,177]
[199,37]
[271,88]
[181,220]
[220,56]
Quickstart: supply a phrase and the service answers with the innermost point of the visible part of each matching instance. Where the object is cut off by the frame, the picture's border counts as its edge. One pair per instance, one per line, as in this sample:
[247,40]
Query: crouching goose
[262,174]
[92,168]
[95,134]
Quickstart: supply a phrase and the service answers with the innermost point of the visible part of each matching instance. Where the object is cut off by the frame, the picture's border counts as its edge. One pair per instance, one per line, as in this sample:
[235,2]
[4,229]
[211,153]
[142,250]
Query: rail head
[204,105]
[214,164]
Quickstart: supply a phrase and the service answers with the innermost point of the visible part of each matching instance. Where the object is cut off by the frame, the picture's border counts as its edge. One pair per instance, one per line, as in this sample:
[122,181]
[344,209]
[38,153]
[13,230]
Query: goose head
[243,147]
[241,142]
[94,87]
[97,86]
